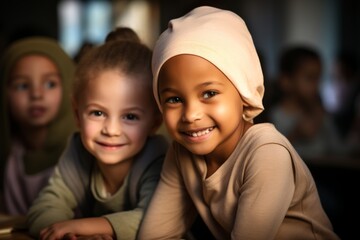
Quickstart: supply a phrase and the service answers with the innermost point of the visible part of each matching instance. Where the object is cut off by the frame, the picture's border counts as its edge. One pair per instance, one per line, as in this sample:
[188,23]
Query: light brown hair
[128,56]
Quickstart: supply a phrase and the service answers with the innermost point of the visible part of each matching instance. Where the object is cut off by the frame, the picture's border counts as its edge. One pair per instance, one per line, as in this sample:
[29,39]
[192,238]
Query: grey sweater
[74,190]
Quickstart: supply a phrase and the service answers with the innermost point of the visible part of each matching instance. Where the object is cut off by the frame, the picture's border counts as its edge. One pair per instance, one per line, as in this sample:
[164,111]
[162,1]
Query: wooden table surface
[17,224]
[16,236]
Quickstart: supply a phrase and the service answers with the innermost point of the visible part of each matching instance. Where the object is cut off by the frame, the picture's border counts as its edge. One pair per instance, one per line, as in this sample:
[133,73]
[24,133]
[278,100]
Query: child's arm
[77,227]
[55,203]
[265,195]
[170,212]
[71,236]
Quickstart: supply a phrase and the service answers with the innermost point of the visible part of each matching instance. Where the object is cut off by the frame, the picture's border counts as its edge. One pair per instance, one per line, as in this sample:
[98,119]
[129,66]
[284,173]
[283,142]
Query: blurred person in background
[299,112]
[344,90]
[36,79]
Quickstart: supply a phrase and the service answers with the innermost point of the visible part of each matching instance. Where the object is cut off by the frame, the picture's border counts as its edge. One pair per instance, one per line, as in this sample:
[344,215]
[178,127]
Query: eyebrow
[53,74]
[210,83]
[134,109]
[130,109]
[92,105]
[168,89]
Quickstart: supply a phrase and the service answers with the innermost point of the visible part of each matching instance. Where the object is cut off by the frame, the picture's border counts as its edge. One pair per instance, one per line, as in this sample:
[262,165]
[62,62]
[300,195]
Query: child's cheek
[91,128]
[224,110]
[171,119]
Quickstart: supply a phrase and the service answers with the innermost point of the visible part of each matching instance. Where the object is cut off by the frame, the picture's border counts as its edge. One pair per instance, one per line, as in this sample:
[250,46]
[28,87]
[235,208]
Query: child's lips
[110,145]
[37,111]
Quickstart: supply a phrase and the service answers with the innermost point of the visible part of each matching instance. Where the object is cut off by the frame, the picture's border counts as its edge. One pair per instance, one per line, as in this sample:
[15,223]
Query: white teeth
[201,133]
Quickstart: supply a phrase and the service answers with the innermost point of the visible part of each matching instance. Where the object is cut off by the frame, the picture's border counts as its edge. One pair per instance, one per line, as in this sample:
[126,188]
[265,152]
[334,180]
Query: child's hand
[85,228]
[58,230]
[71,236]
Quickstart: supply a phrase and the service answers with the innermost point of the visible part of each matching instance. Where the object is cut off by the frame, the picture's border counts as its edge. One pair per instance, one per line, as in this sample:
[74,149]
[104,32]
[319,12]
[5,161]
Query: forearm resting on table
[83,226]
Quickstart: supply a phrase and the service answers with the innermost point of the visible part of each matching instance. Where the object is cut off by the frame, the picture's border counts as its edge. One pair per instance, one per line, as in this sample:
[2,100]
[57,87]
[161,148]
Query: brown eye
[173,100]
[50,84]
[131,117]
[97,113]
[209,94]
[20,86]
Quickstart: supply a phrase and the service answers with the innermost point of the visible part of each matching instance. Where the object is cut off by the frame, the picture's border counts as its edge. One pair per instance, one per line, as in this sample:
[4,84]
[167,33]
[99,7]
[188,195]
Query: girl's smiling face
[115,116]
[202,109]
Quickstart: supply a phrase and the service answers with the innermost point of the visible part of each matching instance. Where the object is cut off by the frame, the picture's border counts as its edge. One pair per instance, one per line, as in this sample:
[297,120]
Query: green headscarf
[62,126]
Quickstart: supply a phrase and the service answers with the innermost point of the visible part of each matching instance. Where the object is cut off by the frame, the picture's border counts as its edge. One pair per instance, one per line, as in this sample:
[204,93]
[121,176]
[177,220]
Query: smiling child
[244,180]
[108,172]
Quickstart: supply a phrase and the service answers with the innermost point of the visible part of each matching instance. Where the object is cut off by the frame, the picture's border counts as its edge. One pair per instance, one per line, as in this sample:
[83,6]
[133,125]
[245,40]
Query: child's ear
[75,111]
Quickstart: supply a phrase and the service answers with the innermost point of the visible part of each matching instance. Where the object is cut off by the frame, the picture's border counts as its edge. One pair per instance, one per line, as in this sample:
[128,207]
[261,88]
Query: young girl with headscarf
[245,180]
[37,119]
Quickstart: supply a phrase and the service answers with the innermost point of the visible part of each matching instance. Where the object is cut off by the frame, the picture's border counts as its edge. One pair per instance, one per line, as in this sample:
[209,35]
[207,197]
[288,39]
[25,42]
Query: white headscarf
[222,38]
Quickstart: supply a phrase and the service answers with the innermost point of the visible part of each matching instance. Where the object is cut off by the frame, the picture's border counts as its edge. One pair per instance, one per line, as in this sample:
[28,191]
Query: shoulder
[264,133]
[266,147]
[151,156]
[74,143]
[75,156]
[155,147]
[147,166]
[264,143]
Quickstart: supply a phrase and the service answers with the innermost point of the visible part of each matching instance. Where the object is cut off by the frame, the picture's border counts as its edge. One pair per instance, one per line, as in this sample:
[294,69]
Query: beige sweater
[263,191]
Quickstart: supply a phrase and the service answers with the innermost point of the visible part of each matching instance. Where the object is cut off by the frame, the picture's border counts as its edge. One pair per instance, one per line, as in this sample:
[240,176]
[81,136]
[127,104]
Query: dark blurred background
[329,26]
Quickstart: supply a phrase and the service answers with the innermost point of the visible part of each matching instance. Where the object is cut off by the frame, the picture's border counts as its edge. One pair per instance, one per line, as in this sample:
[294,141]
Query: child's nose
[36,92]
[112,127]
[192,112]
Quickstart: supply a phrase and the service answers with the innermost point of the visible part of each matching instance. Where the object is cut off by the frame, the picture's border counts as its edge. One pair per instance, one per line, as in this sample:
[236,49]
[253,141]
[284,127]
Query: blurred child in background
[299,113]
[37,119]
[344,104]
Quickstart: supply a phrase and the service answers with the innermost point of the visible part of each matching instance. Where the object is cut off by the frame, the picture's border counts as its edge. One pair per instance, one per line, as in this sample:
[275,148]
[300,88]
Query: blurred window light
[142,17]
[83,21]
[69,12]
[97,20]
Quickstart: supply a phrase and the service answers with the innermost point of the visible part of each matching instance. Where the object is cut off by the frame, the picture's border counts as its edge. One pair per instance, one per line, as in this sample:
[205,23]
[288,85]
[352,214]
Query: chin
[109,161]
[197,150]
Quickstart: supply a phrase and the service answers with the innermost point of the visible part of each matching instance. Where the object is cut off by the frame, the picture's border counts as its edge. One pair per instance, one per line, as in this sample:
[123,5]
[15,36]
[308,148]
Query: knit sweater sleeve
[55,203]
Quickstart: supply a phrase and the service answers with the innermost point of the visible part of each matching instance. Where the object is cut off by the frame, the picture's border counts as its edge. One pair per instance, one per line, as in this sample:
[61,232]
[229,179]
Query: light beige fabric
[263,191]
[222,38]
